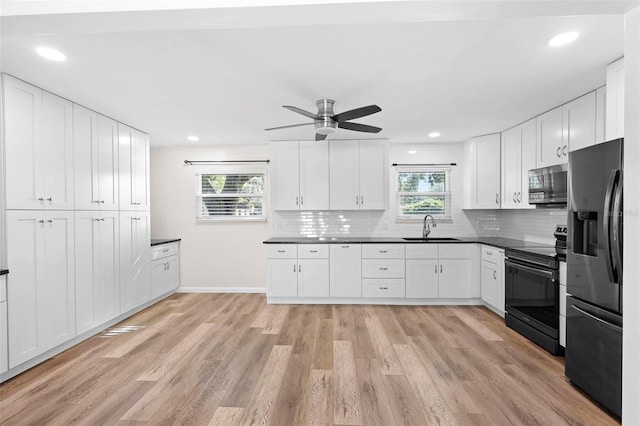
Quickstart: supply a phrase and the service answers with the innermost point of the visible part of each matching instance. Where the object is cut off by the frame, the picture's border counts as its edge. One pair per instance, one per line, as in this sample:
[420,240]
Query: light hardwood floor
[231,359]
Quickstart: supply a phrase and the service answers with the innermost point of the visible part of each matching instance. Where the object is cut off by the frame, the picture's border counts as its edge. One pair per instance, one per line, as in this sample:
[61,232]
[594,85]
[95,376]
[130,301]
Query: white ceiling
[224,75]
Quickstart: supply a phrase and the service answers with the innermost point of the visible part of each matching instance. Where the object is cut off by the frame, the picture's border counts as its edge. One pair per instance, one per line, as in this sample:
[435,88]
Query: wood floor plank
[389,364]
[347,407]
[375,403]
[227,416]
[322,351]
[140,336]
[404,404]
[318,403]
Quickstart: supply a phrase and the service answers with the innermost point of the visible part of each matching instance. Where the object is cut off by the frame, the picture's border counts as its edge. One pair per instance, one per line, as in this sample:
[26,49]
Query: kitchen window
[231,193]
[423,190]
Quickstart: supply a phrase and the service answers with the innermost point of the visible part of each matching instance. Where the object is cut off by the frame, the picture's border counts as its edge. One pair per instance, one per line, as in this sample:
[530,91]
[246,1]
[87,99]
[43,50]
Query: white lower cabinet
[383,270]
[165,269]
[97,268]
[298,271]
[4,351]
[282,277]
[345,269]
[42,290]
[455,281]
[492,278]
[135,265]
[313,277]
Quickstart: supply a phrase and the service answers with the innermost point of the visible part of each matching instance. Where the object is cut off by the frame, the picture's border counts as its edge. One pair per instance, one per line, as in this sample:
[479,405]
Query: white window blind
[423,190]
[231,193]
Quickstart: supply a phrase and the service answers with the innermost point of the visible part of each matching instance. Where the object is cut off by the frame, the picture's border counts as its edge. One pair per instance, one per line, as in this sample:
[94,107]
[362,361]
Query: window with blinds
[423,190]
[231,195]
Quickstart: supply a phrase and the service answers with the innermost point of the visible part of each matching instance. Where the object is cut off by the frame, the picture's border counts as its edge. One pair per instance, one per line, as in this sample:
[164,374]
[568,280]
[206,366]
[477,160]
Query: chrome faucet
[426,229]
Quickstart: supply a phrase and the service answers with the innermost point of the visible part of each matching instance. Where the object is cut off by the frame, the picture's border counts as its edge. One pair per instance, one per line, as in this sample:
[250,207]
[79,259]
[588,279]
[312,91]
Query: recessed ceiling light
[413,151]
[434,134]
[564,38]
[193,138]
[51,54]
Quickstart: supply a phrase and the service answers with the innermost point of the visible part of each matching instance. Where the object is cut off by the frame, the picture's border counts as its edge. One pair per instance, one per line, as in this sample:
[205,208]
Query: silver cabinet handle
[50,199]
[384,288]
[436,270]
[383,269]
[49,221]
[101,201]
[362,200]
[41,221]
[294,268]
[356,200]
[345,246]
[296,201]
[41,199]
[440,268]
[514,197]
[302,200]
[299,268]
[281,251]
[494,275]
[519,197]
[313,251]
[558,152]
[165,250]
[497,198]
[384,251]
[564,151]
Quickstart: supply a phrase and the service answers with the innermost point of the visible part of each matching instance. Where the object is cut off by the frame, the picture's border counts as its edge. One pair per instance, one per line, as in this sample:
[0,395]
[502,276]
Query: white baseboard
[371,301]
[221,290]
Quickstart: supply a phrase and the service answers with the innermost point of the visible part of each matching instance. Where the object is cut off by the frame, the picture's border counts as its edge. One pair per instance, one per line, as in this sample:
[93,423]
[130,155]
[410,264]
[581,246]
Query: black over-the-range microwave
[548,185]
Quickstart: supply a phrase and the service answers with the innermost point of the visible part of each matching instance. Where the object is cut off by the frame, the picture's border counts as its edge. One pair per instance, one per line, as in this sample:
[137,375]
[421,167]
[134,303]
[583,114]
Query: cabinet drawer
[455,251]
[3,288]
[164,250]
[313,251]
[563,300]
[383,251]
[282,251]
[382,268]
[383,288]
[491,254]
[422,251]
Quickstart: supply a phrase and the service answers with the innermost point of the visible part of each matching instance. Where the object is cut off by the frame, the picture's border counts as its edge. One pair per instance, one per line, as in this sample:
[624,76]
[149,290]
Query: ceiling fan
[327,122]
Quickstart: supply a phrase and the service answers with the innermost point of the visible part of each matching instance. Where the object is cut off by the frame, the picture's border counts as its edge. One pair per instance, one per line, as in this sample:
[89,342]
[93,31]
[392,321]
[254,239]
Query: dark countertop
[499,242]
[158,241]
[4,271]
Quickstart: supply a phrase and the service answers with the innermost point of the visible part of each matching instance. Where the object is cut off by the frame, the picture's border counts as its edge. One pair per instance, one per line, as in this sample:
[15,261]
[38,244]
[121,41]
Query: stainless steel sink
[430,240]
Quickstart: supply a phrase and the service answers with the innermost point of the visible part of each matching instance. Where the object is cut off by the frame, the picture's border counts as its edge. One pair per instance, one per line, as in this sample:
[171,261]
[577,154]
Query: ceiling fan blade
[356,113]
[301,111]
[292,125]
[320,137]
[359,127]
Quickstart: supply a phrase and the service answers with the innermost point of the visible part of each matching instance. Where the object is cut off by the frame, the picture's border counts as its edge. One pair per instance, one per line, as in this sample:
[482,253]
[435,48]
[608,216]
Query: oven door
[532,296]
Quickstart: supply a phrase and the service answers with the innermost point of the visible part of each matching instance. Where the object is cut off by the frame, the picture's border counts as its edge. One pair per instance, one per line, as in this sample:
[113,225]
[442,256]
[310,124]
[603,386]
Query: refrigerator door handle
[606,222]
[600,320]
[617,231]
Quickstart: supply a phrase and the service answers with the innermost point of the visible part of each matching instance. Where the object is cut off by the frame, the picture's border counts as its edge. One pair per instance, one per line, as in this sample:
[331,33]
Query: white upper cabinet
[357,175]
[38,148]
[579,123]
[614,127]
[483,172]
[518,157]
[550,144]
[133,168]
[300,176]
[601,101]
[95,144]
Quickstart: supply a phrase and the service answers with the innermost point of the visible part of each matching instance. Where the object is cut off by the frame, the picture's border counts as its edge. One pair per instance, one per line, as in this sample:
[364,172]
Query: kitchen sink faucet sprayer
[426,229]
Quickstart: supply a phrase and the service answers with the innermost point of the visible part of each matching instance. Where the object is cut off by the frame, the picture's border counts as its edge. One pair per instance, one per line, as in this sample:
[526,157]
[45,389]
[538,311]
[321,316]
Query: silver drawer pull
[49,199]
[281,251]
[345,246]
[488,253]
[313,251]
[384,288]
[165,250]
[384,251]
[383,269]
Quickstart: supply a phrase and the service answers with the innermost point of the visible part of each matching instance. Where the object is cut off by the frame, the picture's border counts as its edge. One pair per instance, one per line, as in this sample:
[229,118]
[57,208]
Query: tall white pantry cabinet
[76,186]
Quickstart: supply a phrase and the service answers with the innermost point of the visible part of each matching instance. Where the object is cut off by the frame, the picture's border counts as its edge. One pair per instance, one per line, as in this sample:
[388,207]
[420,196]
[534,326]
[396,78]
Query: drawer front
[282,251]
[3,288]
[383,288]
[313,251]
[421,251]
[563,300]
[383,251]
[491,254]
[382,268]
[455,251]
[164,250]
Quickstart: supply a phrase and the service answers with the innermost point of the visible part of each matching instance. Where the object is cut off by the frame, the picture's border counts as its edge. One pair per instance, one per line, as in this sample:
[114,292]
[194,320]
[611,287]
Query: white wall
[631,274]
[226,255]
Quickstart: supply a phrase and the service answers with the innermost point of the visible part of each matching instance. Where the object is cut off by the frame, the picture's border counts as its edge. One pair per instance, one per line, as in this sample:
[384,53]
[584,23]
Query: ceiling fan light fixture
[326,127]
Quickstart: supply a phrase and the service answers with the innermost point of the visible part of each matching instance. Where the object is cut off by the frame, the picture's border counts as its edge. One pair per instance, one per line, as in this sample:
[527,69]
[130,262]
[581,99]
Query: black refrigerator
[593,359]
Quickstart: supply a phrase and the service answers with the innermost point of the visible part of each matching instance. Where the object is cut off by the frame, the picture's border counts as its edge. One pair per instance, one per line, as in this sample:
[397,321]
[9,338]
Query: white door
[4,349]
[135,245]
[487,182]
[172,273]
[285,177]
[422,278]
[511,140]
[126,164]
[85,158]
[313,278]
[56,146]
[282,277]
[490,282]
[601,99]
[579,121]
[107,160]
[614,127]
[527,162]
[107,283]
[314,175]
[373,176]
[23,161]
[549,138]
[158,277]
[344,177]
[87,257]
[140,170]
[454,279]
[345,270]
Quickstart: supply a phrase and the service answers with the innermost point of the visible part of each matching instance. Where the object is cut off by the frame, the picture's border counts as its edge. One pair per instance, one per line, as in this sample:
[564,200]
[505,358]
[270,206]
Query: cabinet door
[172,273]
[285,176]
[549,138]
[314,175]
[4,350]
[107,163]
[490,281]
[527,162]
[135,279]
[511,151]
[579,121]
[140,170]
[373,176]
[23,162]
[614,127]
[487,176]
[454,279]
[87,257]
[158,277]
[55,144]
[345,279]
[344,179]
[85,158]
[25,258]
[601,99]
[132,168]
[422,278]
[282,277]
[107,283]
[313,278]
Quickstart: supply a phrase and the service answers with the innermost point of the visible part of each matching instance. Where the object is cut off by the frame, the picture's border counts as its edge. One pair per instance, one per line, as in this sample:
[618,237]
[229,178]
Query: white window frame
[446,216]
[229,169]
